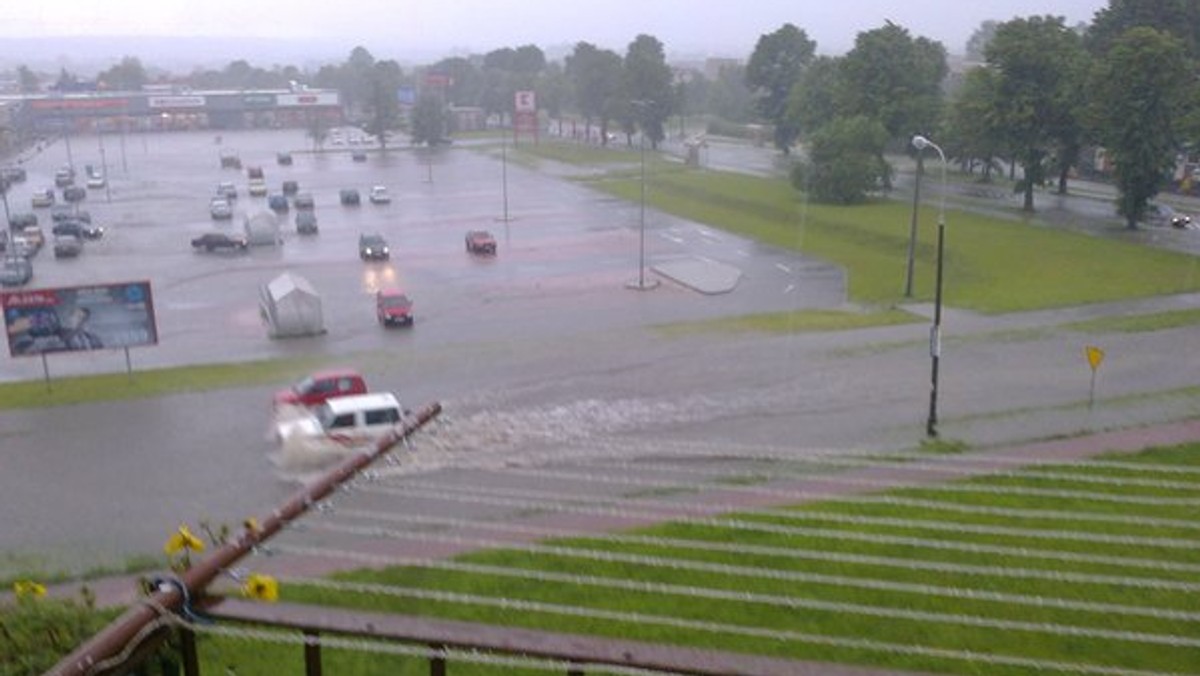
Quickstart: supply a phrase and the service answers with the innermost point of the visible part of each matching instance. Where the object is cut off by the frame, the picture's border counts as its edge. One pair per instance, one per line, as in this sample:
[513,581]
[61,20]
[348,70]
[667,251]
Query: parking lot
[565,253]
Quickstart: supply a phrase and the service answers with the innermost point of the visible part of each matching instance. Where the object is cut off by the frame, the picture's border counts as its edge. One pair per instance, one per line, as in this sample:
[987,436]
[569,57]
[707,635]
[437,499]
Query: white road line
[790,288]
[783,267]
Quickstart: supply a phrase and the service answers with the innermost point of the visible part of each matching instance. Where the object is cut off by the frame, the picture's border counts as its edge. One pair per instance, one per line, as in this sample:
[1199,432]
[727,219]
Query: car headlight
[385,249]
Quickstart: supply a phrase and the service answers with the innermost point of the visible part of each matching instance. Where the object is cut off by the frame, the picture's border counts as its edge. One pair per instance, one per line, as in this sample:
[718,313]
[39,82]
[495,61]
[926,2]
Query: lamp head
[920,142]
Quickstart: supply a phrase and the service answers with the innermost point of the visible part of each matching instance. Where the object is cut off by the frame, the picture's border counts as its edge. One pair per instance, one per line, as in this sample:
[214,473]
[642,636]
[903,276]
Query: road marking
[677,240]
[743,253]
[790,288]
[783,267]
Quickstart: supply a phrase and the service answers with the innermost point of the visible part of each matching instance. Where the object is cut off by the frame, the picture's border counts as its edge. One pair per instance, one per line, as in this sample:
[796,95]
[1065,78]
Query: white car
[379,195]
[96,181]
[43,198]
[220,208]
[351,421]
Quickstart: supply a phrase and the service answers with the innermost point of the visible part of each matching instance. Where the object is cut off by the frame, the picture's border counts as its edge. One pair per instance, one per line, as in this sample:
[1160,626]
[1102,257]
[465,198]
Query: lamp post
[935,333]
[641,284]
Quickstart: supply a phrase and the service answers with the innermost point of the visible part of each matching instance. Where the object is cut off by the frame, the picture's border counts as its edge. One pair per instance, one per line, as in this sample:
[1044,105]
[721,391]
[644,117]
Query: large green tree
[971,131]
[775,66]
[1035,60]
[382,107]
[814,101]
[895,78]
[595,77]
[1179,18]
[1138,90]
[845,161]
[647,85]
[429,119]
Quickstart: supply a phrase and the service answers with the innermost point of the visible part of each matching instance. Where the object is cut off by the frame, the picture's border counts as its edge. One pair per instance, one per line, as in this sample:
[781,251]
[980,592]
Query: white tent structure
[291,307]
[262,228]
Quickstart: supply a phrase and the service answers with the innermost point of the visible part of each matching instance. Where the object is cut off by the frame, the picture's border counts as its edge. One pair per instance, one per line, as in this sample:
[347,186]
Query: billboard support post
[128,365]
[46,371]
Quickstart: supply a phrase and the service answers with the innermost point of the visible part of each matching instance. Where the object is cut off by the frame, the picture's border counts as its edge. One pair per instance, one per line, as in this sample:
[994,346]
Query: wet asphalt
[538,355]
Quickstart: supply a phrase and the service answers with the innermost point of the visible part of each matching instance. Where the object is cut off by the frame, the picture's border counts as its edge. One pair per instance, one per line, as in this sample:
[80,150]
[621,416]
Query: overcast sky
[390,28]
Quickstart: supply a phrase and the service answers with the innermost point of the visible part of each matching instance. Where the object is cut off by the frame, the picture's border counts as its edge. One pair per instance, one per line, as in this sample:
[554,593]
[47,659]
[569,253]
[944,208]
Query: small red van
[321,386]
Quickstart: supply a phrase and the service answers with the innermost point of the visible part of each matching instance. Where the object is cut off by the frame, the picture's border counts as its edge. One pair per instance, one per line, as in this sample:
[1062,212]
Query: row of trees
[1044,92]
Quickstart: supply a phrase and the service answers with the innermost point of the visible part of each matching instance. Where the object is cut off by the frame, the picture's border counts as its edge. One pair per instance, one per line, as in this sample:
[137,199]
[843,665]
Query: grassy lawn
[1138,323]
[151,383]
[1080,567]
[790,322]
[991,265]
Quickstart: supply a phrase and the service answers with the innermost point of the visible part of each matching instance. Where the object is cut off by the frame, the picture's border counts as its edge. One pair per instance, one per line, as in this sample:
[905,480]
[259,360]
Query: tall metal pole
[642,220]
[912,230]
[935,333]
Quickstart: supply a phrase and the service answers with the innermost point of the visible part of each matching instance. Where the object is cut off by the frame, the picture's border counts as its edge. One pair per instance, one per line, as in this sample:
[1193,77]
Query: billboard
[176,101]
[79,318]
[310,99]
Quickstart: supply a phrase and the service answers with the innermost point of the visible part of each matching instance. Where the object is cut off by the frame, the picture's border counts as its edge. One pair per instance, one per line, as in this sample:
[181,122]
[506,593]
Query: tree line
[1041,93]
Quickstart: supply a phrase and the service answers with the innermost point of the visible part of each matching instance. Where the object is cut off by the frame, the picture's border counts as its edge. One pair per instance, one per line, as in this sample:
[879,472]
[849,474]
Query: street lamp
[912,228]
[641,284]
[935,333]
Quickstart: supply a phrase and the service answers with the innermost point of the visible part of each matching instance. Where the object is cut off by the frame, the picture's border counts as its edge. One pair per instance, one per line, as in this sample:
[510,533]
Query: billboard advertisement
[311,99]
[176,101]
[79,318]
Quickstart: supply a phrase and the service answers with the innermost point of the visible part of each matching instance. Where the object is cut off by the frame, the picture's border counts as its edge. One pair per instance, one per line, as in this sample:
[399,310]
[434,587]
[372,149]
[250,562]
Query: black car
[373,247]
[306,222]
[20,220]
[15,271]
[283,158]
[358,156]
[12,174]
[290,187]
[74,193]
[350,197]
[80,229]
[278,203]
[211,241]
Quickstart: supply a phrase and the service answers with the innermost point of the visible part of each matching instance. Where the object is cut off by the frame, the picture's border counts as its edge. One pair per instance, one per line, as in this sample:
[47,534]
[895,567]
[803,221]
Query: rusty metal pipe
[91,658]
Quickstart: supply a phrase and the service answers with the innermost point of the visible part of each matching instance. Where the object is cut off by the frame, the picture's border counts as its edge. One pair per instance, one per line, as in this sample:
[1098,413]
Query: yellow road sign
[1095,356]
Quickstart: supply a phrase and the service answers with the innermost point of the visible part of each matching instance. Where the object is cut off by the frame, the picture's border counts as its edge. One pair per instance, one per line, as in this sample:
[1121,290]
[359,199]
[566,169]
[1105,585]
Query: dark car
[22,219]
[481,242]
[278,203]
[306,222]
[283,159]
[80,229]
[304,200]
[74,193]
[373,247]
[393,308]
[350,197]
[67,246]
[211,241]
[63,212]
[358,156]
[290,187]
[64,177]
[12,174]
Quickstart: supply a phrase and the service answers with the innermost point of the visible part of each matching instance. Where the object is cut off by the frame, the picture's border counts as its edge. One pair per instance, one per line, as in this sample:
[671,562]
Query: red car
[393,307]
[481,242]
[322,385]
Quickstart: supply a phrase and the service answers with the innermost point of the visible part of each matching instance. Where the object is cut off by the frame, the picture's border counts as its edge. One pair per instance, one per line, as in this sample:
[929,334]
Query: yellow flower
[261,588]
[183,539]
[251,525]
[24,588]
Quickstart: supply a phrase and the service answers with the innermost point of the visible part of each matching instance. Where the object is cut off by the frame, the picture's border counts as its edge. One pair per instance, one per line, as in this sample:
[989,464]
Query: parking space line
[784,268]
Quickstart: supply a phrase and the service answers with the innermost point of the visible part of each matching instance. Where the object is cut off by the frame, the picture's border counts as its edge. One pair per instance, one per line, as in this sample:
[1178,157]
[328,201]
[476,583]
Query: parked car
[304,200]
[34,235]
[227,190]
[230,160]
[257,181]
[15,271]
[21,219]
[211,241]
[306,222]
[393,308]
[96,181]
[219,209]
[358,156]
[350,197]
[74,193]
[283,159]
[80,229]
[278,203]
[322,386]
[481,242]
[64,177]
[379,195]
[68,212]
[21,246]
[67,246]
[373,247]
[290,187]
[43,198]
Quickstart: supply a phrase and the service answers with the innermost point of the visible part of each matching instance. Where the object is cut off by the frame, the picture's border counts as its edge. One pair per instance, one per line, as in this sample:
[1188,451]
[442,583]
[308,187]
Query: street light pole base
[646,284]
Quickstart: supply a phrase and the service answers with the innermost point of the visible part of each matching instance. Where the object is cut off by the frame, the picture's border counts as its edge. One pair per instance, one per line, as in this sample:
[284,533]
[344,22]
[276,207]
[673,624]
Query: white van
[351,421]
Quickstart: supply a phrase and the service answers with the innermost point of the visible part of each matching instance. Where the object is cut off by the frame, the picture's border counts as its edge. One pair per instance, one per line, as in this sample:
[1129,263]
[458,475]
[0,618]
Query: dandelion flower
[181,540]
[261,588]
[29,588]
